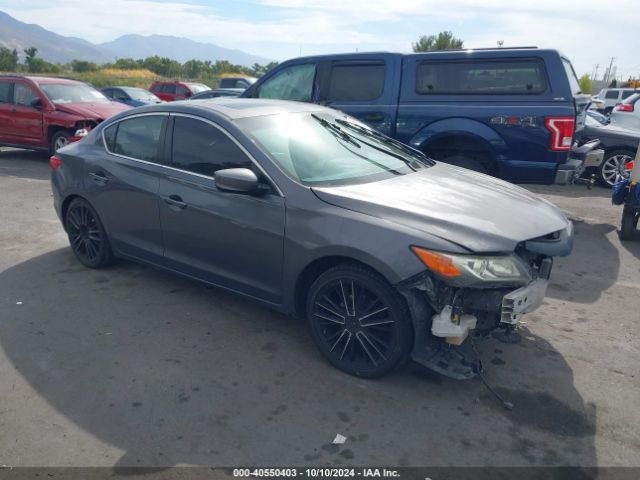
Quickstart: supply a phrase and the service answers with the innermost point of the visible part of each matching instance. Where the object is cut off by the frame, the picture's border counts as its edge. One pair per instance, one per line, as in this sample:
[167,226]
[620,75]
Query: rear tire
[629,223]
[611,169]
[358,322]
[87,236]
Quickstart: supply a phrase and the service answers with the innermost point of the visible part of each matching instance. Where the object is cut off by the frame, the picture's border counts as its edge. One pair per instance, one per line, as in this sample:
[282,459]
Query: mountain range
[53,47]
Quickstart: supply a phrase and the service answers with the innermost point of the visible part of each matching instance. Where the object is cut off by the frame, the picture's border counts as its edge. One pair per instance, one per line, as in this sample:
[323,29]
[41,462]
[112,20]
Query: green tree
[193,68]
[83,66]
[443,41]
[31,53]
[163,66]
[258,70]
[586,85]
[8,59]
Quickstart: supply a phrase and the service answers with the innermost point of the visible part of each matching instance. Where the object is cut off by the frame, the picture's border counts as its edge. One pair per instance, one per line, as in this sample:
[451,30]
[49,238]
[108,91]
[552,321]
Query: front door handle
[99,178]
[175,201]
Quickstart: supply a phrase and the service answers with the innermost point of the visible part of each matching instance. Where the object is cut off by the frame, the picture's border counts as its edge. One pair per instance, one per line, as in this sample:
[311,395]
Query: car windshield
[198,87]
[140,94]
[72,93]
[320,149]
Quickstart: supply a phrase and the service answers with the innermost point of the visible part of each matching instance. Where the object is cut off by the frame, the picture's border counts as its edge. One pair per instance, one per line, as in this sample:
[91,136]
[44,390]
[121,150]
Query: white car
[611,97]
[627,114]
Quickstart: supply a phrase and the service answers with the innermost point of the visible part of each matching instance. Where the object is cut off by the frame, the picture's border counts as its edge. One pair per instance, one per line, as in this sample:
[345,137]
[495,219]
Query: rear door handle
[174,201]
[99,177]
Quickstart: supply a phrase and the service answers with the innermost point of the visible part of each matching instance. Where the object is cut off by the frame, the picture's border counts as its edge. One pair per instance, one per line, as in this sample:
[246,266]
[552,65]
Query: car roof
[233,108]
[40,80]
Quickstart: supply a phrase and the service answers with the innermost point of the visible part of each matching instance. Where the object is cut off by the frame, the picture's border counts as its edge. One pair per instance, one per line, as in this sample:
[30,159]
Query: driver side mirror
[236,180]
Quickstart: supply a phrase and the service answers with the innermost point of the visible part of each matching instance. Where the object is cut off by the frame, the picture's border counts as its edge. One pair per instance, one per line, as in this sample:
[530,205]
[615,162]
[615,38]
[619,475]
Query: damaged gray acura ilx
[386,253]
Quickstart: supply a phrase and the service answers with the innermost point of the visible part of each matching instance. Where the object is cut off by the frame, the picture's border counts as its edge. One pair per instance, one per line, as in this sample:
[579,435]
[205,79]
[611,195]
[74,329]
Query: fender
[461,127]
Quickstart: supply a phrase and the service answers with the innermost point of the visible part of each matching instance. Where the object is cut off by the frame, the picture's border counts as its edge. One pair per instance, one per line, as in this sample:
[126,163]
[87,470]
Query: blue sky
[588,32]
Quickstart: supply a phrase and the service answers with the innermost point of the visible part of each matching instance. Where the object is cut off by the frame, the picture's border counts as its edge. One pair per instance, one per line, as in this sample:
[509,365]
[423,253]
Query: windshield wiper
[386,140]
[336,130]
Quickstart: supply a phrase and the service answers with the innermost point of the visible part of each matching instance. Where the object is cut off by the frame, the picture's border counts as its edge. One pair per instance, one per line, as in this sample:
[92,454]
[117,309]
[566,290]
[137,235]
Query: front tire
[58,140]
[358,322]
[87,237]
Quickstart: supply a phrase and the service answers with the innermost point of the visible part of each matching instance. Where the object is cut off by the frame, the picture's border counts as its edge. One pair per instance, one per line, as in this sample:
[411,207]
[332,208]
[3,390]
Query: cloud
[284,28]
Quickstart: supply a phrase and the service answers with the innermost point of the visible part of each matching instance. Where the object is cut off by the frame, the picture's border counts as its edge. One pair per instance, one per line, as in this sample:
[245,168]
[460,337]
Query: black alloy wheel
[87,237]
[359,323]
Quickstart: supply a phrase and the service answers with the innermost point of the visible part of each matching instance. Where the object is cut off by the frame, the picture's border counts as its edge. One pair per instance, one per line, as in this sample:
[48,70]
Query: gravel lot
[135,367]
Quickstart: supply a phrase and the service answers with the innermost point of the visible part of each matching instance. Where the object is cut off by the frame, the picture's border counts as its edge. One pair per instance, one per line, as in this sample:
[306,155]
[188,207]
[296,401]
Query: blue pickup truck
[511,113]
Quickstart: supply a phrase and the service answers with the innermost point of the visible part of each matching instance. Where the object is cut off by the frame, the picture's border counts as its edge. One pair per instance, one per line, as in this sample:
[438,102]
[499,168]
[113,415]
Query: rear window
[632,99]
[354,83]
[483,77]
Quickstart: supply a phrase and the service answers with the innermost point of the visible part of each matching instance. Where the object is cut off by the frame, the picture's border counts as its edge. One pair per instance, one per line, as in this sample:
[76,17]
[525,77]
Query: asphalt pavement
[131,366]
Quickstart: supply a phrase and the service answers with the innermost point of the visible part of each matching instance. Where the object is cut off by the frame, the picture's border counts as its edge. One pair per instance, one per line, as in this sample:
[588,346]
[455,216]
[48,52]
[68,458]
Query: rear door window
[291,83]
[611,94]
[199,147]
[137,138]
[168,88]
[481,77]
[356,82]
[180,90]
[5,92]
[24,96]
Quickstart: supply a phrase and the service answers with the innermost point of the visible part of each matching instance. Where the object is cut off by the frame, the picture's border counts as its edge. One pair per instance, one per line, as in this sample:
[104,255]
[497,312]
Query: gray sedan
[385,252]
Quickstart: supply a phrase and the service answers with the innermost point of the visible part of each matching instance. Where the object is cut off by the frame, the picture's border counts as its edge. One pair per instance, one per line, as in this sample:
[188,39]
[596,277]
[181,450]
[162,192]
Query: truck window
[571,75]
[359,82]
[291,83]
[482,77]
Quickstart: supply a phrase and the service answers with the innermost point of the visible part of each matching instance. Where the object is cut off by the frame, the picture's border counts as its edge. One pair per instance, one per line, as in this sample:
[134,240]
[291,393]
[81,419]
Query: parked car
[620,146]
[507,112]
[386,253]
[44,113]
[218,92]
[627,114]
[599,117]
[612,97]
[132,96]
[243,82]
[171,91]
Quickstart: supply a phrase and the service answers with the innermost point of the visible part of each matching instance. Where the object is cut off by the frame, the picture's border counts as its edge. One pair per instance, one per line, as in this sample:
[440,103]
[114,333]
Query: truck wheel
[58,140]
[464,162]
[629,222]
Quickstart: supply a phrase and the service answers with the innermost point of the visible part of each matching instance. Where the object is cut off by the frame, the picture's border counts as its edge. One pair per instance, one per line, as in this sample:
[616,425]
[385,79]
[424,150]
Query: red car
[170,91]
[44,113]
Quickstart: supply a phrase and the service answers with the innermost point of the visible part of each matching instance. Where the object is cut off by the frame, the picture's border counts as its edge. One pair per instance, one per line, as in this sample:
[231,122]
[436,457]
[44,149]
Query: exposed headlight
[469,270]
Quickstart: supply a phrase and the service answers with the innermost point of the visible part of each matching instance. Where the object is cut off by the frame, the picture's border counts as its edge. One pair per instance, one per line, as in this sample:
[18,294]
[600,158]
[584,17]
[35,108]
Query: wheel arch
[318,266]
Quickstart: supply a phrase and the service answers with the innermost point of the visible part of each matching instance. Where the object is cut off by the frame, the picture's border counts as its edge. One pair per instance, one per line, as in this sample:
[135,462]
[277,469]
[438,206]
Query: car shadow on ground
[24,163]
[592,267]
[175,372]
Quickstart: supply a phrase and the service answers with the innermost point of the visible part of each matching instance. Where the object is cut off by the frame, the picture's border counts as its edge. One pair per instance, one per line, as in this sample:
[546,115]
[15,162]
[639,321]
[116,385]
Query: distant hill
[58,48]
[177,48]
[51,46]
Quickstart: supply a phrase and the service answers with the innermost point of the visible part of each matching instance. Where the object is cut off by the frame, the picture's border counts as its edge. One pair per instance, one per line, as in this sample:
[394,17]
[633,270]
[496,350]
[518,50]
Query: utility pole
[595,75]
[609,69]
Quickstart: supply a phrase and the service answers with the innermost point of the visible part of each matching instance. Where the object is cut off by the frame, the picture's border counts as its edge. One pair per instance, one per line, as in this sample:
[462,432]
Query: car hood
[475,211]
[95,111]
